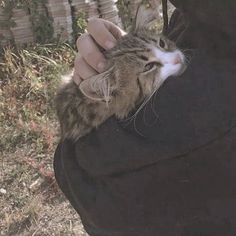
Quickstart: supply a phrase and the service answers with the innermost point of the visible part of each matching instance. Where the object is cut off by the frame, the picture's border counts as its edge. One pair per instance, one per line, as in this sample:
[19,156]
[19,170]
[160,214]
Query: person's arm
[191,111]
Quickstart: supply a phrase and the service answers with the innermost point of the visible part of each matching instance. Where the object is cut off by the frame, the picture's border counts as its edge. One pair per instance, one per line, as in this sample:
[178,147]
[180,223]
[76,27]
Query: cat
[137,66]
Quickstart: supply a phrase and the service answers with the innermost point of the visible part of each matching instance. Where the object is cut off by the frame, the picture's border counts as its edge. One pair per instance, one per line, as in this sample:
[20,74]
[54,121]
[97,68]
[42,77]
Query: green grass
[30,201]
[28,81]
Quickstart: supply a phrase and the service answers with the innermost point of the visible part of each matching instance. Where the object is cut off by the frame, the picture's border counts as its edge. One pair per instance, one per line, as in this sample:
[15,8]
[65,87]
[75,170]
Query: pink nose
[177,59]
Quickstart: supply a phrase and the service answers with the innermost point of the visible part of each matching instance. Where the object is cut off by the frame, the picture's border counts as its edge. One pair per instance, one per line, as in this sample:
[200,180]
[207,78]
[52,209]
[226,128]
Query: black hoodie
[175,174]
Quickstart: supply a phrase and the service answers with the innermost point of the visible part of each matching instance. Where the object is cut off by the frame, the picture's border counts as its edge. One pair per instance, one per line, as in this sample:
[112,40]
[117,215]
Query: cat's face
[144,60]
[137,66]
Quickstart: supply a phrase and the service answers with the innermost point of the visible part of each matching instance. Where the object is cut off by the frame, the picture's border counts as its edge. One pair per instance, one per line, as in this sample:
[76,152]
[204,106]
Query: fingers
[82,70]
[115,30]
[91,60]
[104,32]
[91,53]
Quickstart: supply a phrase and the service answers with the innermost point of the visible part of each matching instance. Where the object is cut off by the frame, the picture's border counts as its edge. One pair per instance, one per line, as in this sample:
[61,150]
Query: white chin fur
[173,62]
[171,70]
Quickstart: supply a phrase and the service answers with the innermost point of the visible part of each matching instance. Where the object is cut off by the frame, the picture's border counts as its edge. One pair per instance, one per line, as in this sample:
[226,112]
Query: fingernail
[109,44]
[101,66]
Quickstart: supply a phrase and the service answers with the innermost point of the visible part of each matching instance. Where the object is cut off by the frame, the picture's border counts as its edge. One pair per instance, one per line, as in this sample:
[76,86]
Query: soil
[30,201]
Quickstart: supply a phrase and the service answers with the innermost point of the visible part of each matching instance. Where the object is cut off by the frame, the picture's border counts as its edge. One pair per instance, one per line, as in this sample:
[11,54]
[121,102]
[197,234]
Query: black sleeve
[185,114]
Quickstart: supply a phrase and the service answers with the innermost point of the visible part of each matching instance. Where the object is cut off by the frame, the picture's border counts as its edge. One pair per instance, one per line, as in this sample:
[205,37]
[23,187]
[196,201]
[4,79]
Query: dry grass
[30,201]
[28,81]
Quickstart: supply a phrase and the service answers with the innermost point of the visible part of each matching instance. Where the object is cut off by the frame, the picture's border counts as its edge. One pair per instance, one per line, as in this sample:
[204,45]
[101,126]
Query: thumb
[104,32]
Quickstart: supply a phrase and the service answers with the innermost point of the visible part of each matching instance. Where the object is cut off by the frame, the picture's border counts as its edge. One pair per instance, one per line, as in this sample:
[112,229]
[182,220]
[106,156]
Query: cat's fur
[137,66]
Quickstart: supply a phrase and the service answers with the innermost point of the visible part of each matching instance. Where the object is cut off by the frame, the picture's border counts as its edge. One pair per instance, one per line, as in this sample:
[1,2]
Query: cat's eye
[151,65]
[162,43]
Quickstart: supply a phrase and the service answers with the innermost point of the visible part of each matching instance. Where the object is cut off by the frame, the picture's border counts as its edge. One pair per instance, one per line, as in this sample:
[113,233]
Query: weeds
[28,80]
[30,201]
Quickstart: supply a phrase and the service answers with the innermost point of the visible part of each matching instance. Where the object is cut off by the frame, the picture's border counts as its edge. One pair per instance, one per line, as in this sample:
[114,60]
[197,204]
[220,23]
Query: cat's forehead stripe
[154,40]
[143,57]
[144,39]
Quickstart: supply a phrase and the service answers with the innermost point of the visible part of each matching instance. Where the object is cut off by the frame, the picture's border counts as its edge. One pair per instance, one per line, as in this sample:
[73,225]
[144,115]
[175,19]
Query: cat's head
[138,65]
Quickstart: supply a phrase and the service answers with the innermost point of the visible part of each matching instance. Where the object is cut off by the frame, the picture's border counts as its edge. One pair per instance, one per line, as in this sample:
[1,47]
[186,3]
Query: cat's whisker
[187,50]
[187,59]
[187,53]
[137,66]
[144,103]
[144,116]
[153,108]
[154,112]
[141,107]
[135,128]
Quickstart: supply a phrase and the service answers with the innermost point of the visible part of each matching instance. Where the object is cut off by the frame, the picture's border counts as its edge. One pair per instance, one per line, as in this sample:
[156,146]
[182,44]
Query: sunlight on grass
[28,81]
[30,200]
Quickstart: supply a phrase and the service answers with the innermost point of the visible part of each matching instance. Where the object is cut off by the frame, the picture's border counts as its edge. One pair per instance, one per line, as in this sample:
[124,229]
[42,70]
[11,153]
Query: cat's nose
[177,59]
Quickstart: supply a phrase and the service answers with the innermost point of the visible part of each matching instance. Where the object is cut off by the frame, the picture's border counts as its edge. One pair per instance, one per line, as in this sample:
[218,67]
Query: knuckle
[92,58]
[80,66]
[78,61]
[81,40]
[92,23]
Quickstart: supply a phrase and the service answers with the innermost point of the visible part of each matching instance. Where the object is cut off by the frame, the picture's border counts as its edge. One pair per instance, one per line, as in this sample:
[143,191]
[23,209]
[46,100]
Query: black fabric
[172,170]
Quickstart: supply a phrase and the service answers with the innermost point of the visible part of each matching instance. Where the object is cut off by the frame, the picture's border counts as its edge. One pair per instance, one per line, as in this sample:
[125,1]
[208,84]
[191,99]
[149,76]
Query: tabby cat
[137,66]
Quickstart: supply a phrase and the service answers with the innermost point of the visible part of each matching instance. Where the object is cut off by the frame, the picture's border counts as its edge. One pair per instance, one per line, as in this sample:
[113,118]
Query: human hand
[90,60]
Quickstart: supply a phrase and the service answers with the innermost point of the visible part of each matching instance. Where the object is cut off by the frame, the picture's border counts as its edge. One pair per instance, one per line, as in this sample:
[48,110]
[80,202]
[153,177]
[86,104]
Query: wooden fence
[27,21]
[30,21]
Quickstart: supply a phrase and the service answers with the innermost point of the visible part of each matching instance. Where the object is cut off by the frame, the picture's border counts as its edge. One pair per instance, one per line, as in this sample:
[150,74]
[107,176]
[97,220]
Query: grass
[28,81]
[30,201]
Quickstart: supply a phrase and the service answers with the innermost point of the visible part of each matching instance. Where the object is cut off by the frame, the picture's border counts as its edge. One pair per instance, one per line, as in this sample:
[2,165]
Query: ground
[31,203]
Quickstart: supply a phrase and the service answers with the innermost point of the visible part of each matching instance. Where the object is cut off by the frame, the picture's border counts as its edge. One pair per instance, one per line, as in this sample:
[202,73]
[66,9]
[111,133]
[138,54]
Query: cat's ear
[98,87]
[145,14]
